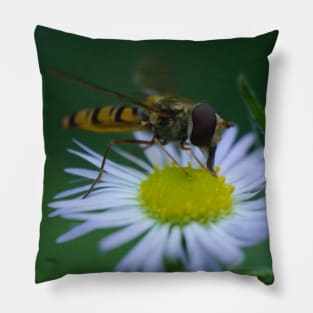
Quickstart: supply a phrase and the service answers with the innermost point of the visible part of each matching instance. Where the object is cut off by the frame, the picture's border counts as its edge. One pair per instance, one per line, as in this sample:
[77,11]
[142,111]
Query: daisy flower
[186,216]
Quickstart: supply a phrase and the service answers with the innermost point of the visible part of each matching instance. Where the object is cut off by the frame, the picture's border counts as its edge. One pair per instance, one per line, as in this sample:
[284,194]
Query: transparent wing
[153,76]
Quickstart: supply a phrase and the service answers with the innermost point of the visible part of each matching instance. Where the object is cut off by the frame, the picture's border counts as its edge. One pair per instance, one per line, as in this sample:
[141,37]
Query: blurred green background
[204,71]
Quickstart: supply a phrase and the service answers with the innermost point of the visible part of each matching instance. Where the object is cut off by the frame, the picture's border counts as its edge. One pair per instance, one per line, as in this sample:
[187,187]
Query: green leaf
[255,109]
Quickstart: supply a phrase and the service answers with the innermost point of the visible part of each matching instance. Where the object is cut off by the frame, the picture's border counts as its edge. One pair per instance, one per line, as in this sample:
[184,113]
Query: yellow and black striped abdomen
[105,119]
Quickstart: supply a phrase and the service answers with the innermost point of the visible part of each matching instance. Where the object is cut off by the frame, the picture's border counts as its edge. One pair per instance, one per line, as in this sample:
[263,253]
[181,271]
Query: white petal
[174,248]
[247,170]
[96,162]
[171,149]
[99,188]
[134,259]
[74,191]
[126,234]
[91,174]
[109,215]
[219,230]
[89,226]
[154,261]
[185,157]
[122,171]
[255,218]
[115,192]
[134,159]
[248,230]
[252,215]
[256,236]
[249,186]
[78,231]
[106,177]
[198,259]
[202,158]
[248,162]
[225,144]
[96,223]
[99,196]
[153,153]
[89,204]
[251,205]
[143,135]
[88,150]
[248,173]
[218,247]
[246,196]
[111,167]
[238,151]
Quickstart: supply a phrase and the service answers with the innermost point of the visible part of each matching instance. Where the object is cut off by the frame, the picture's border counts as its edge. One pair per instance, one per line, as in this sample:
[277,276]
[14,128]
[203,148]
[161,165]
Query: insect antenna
[94,86]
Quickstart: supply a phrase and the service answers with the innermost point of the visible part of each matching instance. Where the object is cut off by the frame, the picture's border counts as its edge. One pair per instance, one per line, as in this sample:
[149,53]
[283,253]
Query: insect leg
[158,142]
[148,146]
[106,153]
[188,148]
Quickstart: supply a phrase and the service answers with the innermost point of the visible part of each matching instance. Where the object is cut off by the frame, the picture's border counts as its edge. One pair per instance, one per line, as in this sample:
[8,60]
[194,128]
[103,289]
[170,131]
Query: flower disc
[182,195]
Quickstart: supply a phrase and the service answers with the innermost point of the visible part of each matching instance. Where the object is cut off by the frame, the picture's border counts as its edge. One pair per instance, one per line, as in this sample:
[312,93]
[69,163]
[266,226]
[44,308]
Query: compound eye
[203,125]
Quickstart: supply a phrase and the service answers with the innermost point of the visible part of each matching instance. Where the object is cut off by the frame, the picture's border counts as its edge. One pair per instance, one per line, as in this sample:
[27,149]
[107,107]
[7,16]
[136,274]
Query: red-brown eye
[203,125]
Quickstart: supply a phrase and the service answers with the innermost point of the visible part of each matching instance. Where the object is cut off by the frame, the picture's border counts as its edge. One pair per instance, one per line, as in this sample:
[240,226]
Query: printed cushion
[154,155]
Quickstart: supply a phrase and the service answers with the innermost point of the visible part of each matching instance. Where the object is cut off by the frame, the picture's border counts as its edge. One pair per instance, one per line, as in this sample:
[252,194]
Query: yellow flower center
[180,196]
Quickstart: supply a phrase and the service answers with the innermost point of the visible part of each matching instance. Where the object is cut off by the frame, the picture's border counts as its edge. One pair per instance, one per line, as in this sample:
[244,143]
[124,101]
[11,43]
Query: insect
[168,116]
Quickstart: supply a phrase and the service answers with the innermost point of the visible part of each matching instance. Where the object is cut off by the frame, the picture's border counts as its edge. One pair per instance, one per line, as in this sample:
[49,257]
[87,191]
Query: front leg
[157,141]
[101,169]
[188,148]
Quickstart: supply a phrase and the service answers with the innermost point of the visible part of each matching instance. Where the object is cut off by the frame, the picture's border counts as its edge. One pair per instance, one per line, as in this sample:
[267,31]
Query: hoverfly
[168,116]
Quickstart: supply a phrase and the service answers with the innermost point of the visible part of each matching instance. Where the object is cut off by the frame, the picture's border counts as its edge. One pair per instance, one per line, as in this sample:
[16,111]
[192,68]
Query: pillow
[154,155]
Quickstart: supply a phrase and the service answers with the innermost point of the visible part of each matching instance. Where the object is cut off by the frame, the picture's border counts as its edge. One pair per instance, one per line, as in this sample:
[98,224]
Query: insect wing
[154,77]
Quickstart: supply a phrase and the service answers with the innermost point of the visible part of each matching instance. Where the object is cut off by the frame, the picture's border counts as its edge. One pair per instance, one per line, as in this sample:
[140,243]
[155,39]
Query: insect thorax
[173,127]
